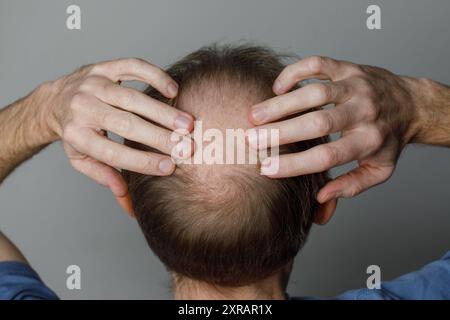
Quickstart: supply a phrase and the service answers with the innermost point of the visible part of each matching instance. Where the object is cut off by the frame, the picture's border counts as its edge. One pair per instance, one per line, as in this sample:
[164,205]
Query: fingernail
[259,113]
[184,148]
[183,122]
[166,166]
[277,87]
[173,89]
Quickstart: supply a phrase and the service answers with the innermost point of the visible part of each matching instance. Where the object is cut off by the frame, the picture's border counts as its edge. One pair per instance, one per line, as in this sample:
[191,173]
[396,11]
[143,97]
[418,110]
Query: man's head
[225,225]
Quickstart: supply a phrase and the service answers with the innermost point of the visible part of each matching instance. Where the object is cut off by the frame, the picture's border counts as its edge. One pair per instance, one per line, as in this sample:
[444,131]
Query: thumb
[126,204]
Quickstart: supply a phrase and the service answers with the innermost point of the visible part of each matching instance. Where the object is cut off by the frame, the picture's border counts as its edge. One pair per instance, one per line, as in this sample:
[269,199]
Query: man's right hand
[83,106]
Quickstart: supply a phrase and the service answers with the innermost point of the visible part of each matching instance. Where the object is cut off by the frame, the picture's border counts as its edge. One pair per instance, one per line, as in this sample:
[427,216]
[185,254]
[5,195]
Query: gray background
[58,217]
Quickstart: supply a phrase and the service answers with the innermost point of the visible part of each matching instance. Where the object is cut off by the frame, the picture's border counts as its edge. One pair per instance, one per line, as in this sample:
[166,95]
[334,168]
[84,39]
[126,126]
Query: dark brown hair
[228,227]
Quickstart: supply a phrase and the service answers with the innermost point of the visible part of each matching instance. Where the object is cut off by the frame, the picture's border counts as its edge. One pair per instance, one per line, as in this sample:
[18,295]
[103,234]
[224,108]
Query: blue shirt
[18,281]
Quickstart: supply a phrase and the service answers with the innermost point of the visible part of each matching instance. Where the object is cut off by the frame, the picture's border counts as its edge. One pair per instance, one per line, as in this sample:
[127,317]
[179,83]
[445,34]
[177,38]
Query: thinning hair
[225,225]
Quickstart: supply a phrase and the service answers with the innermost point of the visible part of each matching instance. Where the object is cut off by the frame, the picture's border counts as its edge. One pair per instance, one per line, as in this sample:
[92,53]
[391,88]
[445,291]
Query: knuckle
[78,101]
[329,156]
[315,64]
[86,69]
[85,86]
[162,139]
[366,85]
[355,190]
[97,68]
[88,84]
[70,134]
[377,138]
[426,82]
[122,122]
[371,111]
[109,155]
[322,92]
[346,92]
[158,73]
[323,123]
[134,61]
[291,70]
[355,69]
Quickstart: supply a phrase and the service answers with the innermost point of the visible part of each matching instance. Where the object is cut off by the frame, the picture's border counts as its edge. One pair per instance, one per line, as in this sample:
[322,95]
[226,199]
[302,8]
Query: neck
[271,288]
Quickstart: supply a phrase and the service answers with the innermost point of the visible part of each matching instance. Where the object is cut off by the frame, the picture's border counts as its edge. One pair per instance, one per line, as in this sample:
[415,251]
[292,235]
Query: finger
[126,204]
[137,102]
[310,96]
[107,177]
[117,155]
[305,127]
[102,174]
[132,127]
[317,159]
[355,182]
[138,69]
[314,67]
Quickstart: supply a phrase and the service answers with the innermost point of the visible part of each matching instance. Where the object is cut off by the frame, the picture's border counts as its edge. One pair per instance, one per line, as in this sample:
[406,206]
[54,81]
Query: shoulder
[430,282]
[18,281]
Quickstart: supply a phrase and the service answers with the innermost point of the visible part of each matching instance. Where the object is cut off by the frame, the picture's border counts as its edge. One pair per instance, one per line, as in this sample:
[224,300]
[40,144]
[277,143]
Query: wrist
[41,102]
[36,117]
[413,106]
[431,103]
[23,131]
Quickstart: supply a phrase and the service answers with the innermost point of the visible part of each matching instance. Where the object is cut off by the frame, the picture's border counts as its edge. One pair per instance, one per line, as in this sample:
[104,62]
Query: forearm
[432,124]
[23,130]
